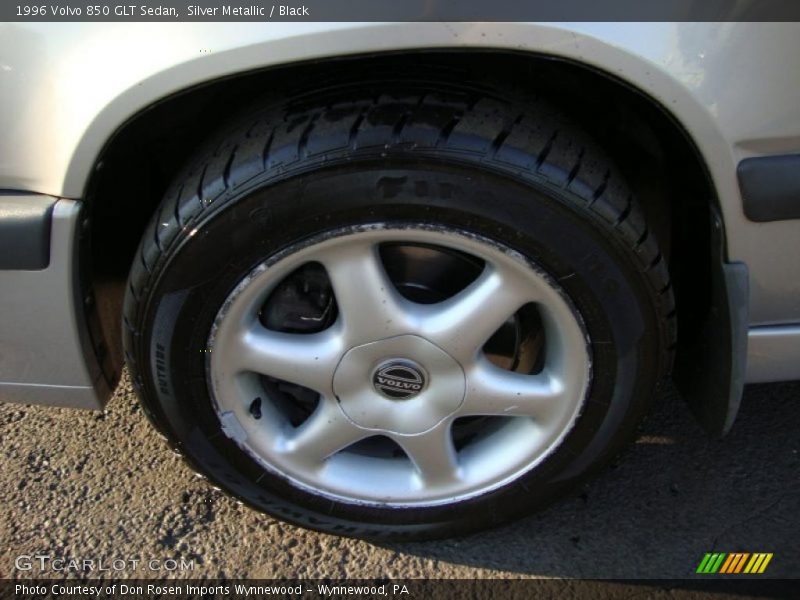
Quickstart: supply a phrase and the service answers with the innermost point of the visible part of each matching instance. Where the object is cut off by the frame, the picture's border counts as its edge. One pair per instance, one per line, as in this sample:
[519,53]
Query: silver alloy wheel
[441,344]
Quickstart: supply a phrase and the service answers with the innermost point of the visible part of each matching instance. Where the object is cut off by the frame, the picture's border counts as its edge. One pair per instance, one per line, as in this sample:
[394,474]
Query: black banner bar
[391,589]
[399,10]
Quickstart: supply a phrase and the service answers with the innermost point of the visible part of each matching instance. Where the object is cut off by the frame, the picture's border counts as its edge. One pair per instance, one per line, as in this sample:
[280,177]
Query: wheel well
[651,148]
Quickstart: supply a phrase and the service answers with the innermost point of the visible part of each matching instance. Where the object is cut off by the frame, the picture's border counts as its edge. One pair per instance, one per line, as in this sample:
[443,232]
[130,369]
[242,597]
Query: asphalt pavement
[105,486]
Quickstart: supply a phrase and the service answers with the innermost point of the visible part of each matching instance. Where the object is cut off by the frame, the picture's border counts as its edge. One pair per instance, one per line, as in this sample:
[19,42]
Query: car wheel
[408,314]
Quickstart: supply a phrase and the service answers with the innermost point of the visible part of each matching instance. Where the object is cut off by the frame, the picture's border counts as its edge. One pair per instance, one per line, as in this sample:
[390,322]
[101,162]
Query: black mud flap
[710,368]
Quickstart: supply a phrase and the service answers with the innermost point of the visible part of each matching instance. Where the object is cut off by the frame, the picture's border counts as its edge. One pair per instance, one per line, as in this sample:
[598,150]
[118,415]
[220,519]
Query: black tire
[513,171]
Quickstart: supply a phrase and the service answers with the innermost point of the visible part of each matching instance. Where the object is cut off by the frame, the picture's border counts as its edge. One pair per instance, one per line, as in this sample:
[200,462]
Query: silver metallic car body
[66,88]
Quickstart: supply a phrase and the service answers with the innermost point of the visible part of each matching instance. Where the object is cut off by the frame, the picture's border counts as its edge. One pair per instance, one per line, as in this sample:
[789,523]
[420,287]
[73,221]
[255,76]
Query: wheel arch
[661,160]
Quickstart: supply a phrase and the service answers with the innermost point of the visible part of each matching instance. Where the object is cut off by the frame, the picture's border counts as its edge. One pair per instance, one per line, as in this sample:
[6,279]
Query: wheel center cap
[399,379]
[380,387]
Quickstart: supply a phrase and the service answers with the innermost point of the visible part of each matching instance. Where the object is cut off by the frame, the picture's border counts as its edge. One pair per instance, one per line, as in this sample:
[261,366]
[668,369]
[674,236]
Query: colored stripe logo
[734,563]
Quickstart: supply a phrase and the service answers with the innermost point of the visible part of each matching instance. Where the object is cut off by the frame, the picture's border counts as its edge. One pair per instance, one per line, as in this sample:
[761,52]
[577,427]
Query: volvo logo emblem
[399,379]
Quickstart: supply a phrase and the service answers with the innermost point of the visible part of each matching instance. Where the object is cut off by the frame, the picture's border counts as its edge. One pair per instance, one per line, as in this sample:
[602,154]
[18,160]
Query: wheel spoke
[494,391]
[303,359]
[462,324]
[369,304]
[324,433]
[433,455]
